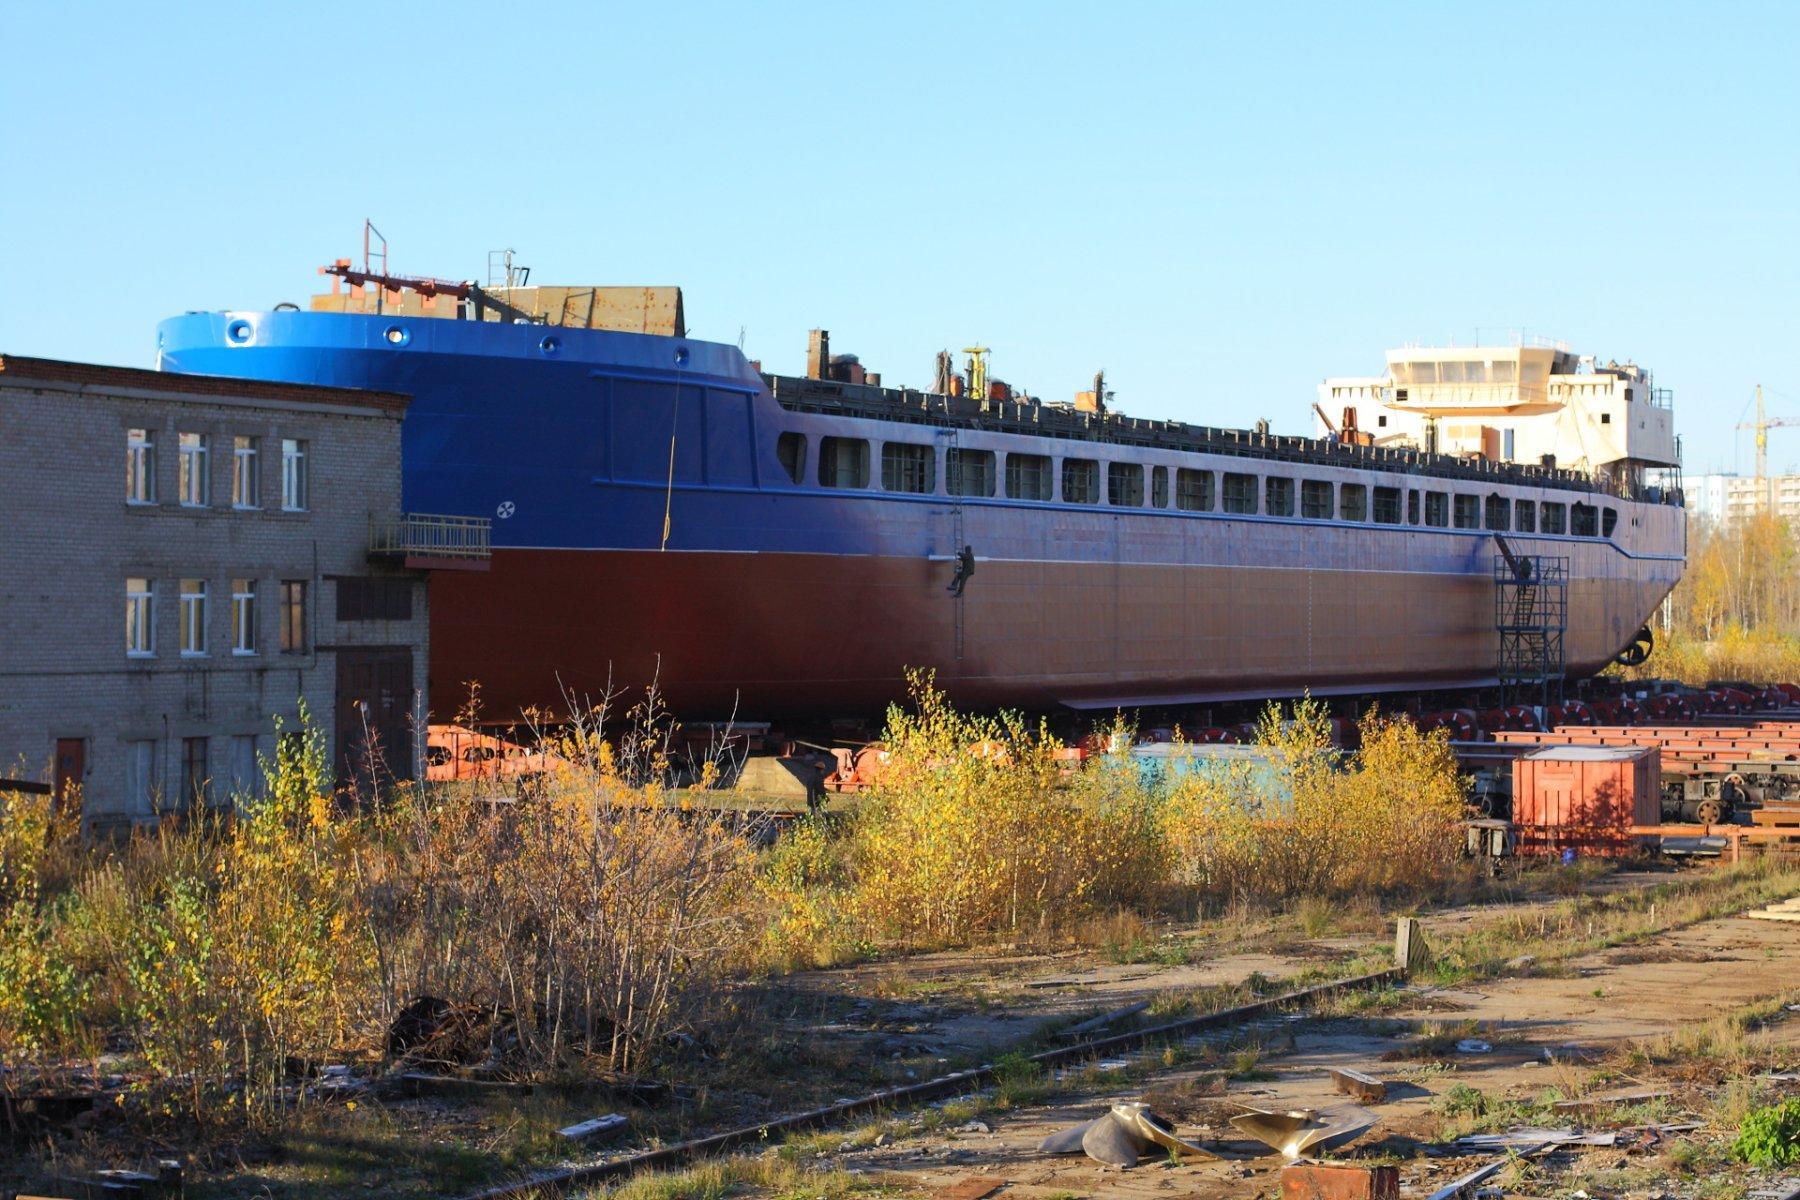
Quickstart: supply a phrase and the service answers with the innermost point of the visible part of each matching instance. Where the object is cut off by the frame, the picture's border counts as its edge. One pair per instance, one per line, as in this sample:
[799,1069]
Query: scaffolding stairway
[1531,615]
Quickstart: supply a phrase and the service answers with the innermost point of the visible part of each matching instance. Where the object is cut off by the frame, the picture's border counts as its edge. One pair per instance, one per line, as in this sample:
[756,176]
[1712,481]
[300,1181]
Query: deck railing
[430,535]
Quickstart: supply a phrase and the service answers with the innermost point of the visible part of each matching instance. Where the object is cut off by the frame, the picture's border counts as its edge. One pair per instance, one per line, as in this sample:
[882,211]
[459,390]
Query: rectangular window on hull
[843,462]
[1193,490]
[1279,496]
[1125,485]
[1159,487]
[969,472]
[1387,505]
[1585,522]
[1467,510]
[1412,507]
[1499,515]
[1239,493]
[1555,517]
[1029,477]
[790,452]
[906,467]
[1315,499]
[1525,516]
[1437,509]
[1609,520]
[1353,502]
[1080,481]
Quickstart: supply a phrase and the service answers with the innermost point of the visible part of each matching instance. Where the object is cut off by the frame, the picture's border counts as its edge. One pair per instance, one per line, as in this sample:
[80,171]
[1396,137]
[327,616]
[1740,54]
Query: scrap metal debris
[1303,1131]
[1365,1089]
[1121,1137]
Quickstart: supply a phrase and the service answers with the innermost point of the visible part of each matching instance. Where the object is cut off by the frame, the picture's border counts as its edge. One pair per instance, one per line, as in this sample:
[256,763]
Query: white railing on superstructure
[430,535]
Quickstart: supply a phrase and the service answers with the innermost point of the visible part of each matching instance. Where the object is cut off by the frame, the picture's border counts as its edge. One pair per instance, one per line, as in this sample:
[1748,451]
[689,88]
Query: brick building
[186,559]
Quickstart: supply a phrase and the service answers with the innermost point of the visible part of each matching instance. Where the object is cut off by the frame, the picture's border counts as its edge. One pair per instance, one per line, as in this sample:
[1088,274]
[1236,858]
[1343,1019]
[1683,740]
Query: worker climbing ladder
[1531,614]
[953,489]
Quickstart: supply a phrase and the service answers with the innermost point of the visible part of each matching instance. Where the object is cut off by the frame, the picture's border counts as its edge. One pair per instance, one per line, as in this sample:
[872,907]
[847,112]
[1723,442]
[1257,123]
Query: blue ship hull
[771,596]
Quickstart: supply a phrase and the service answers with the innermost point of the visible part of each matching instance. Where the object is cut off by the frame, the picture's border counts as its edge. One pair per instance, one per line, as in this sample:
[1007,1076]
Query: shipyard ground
[1613,982]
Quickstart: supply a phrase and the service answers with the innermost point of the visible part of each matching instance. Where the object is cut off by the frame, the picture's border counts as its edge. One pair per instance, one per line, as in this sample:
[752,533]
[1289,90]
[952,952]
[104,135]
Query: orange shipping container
[1587,796]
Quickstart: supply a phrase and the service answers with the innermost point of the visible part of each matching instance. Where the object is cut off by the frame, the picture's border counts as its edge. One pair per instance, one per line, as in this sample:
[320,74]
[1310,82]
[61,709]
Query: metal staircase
[1531,614]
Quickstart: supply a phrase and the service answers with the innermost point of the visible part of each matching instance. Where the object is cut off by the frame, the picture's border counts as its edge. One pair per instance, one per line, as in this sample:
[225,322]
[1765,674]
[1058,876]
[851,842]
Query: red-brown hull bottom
[780,635]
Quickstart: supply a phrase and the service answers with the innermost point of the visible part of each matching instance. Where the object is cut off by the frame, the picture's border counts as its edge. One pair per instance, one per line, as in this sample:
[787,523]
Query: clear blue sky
[1218,204]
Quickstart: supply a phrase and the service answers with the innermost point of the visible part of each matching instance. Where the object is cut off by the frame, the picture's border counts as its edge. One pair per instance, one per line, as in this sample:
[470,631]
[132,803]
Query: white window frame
[140,777]
[243,617]
[140,617]
[193,618]
[295,494]
[140,466]
[246,473]
[193,482]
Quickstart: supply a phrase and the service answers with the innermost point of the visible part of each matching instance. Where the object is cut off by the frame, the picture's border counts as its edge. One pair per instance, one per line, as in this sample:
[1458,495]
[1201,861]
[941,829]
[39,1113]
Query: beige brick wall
[69,541]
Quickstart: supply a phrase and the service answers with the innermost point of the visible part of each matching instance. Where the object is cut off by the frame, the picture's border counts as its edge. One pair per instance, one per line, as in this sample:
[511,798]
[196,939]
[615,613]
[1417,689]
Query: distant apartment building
[188,559]
[1728,499]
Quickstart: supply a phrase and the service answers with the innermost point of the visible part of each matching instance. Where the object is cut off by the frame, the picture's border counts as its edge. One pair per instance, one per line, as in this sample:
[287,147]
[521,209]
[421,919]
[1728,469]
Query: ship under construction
[773,546]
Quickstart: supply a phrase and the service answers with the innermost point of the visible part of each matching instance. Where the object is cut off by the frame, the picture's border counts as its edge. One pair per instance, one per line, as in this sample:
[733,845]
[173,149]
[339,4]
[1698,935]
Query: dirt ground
[1597,1003]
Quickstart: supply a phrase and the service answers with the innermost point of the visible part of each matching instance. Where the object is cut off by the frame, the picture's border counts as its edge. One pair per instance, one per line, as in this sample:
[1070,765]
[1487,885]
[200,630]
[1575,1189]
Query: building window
[1315,499]
[293,616]
[374,598]
[969,472]
[140,778]
[1412,506]
[196,781]
[193,617]
[1193,490]
[243,616]
[246,476]
[906,467]
[1555,517]
[1499,514]
[1387,505]
[140,466]
[1239,493]
[295,493]
[843,462]
[1080,481]
[1279,496]
[1437,509]
[790,451]
[1353,502]
[246,780]
[1466,511]
[140,617]
[1125,485]
[1159,487]
[1029,477]
[193,482]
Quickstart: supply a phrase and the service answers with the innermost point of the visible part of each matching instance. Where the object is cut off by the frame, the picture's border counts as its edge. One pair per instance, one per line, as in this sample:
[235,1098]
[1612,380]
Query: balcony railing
[431,536]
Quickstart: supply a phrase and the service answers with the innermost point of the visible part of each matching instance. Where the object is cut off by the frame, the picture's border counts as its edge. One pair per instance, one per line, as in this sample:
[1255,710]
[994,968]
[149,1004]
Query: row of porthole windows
[911,467]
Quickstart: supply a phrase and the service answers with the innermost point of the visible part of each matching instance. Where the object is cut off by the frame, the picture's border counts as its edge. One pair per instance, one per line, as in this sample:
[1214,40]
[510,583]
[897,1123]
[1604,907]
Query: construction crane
[1762,425]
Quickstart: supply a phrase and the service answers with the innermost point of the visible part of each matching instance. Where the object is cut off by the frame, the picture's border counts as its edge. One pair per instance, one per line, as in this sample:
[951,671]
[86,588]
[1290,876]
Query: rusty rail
[549,1183]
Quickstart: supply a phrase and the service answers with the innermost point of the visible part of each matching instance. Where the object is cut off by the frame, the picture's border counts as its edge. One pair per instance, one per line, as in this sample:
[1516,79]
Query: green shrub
[1770,1137]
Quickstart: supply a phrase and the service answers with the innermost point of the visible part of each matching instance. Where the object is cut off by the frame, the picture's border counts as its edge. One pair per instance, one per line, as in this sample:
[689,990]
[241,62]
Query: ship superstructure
[772,545]
[1521,403]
